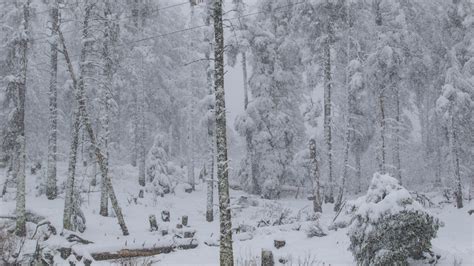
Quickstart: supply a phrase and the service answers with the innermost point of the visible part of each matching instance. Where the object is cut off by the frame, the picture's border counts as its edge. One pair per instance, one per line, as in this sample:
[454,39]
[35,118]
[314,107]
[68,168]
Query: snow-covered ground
[454,241]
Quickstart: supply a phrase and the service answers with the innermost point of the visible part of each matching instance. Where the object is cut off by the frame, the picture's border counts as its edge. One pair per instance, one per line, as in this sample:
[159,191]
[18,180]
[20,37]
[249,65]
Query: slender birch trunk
[328,114]
[80,98]
[141,138]
[314,173]
[106,88]
[455,161]
[51,186]
[226,250]
[70,182]
[382,129]
[358,155]
[345,168]
[245,78]
[210,125]
[397,159]
[438,159]
[69,196]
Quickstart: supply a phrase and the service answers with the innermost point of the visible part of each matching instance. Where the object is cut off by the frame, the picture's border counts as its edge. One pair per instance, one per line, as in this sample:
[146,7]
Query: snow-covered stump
[141,194]
[153,223]
[183,232]
[184,220]
[267,258]
[279,243]
[165,216]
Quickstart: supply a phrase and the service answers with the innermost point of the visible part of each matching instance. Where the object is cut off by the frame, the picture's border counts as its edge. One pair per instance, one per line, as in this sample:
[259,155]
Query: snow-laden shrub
[272,214]
[307,214]
[389,226]
[161,172]
[314,229]
[271,188]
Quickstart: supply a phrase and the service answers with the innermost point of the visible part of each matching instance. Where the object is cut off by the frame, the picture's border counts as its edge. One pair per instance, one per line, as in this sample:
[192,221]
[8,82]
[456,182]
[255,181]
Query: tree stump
[188,190]
[64,252]
[153,223]
[279,243]
[179,226]
[184,220]
[189,234]
[164,232]
[267,258]
[165,216]
[141,194]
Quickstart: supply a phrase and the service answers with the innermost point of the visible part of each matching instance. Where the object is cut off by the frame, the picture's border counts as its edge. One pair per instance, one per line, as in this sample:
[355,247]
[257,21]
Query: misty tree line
[98,83]
[397,82]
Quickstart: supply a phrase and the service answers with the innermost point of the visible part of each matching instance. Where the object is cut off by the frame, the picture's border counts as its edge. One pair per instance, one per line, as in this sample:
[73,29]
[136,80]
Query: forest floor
[454,241]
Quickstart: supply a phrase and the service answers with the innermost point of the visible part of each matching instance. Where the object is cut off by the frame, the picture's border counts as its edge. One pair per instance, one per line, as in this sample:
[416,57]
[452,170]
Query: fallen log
[130,253]
[144,252]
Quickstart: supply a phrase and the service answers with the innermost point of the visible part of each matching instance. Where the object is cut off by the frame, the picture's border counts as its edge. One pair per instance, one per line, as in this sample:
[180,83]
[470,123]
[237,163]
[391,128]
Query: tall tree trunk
[134,151]
[345,168]
[21,140]
[51,186]
[80,98]
[245,78]
[327,112]
[248,135]
[226,251]
[398,124]
[211,126]
[141,136]
[382,133]
[438,159]
[210,188]
[190,150]
[314,172]
[106,88]
[69,197]
[455,161]
[471,187]
[358,155]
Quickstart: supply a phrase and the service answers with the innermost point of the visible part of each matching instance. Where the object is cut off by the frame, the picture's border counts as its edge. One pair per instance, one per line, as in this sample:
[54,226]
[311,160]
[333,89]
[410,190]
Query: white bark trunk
[382,129]
[86,122]
[328,111]
[314,173]
[396,155]
[455,161]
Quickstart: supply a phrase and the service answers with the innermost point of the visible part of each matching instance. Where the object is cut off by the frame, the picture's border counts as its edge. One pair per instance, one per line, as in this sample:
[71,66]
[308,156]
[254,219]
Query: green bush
[389,226]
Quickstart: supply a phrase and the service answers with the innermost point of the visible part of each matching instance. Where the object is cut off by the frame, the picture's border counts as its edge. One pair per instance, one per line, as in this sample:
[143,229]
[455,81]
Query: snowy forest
[236,132]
